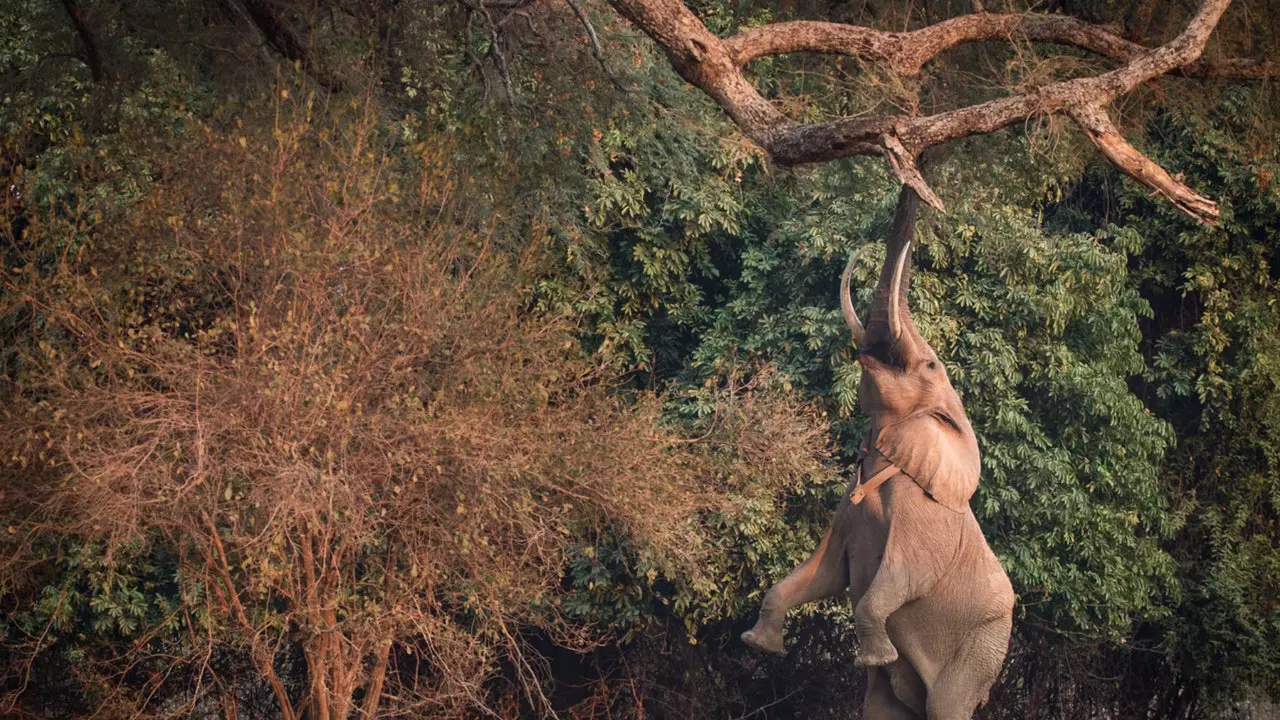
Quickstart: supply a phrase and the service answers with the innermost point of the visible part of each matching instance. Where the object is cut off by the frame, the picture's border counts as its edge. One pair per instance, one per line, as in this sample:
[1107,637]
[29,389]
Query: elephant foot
[876,652]
[764,640]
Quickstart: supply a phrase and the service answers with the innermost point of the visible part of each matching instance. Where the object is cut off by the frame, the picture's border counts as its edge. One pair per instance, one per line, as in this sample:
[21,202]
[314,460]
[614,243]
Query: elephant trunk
[890,317]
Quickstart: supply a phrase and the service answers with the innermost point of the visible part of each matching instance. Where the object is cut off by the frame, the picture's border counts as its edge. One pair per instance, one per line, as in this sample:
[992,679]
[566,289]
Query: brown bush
[302,364]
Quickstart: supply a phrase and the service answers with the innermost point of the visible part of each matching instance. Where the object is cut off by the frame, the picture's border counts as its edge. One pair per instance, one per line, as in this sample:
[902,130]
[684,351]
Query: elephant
[933,607]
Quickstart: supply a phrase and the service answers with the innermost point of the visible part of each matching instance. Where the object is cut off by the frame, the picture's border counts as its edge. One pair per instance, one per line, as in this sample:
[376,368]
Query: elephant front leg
[823,575]
[890,590]
[922,540]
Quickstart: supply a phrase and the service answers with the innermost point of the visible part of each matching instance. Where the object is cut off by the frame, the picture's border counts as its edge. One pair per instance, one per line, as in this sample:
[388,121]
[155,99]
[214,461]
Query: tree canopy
[436,359]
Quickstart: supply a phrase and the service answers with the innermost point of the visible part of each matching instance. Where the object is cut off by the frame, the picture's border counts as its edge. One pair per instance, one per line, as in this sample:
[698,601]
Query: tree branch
[278,34]
[92,56]
[596,50]
[264,657]
[715,66]
[703,59]
[908,173]
[1098,126]
[906,53]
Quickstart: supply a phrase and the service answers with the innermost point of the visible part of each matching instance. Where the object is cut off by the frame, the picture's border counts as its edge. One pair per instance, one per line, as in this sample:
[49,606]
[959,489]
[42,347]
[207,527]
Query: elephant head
[918,422]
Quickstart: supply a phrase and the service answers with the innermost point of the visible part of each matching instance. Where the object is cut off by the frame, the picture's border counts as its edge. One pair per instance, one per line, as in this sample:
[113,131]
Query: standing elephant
[933,605]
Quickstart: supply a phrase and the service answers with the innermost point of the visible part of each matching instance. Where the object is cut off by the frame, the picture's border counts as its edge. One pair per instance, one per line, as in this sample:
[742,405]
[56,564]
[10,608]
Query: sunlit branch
[715,66]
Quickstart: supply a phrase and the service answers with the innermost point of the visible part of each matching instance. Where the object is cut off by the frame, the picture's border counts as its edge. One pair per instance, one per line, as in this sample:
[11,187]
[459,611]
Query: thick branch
[714,66]
[813,143]
[702,59]
[908,173]
[907,52]
[1103,133]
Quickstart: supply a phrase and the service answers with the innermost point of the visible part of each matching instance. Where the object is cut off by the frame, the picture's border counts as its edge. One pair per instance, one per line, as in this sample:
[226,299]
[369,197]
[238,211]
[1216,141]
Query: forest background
[442,358]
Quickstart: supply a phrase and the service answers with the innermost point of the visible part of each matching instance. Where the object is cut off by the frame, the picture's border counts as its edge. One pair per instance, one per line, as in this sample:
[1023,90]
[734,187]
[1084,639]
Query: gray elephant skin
[933,606]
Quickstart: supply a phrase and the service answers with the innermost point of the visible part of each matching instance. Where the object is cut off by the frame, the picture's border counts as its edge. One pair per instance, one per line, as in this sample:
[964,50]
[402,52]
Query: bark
[378,676]
[382,650]
[907,52]
[92,56]
[278,34]
[1097,124]
[704,60]
[715,66]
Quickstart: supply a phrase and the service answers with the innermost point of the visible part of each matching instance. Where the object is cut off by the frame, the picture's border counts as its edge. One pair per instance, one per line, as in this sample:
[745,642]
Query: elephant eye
[933,365]
[948,420]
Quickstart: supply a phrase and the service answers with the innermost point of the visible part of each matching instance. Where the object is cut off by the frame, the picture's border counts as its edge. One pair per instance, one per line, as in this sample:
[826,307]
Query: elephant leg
[907,686]
[890,590]
[823,575]
[881,703]
[962,686]
[922,541]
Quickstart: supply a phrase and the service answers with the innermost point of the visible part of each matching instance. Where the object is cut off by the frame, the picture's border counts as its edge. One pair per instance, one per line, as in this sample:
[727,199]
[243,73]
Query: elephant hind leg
[907,686]
[962,685]
[823,575]
[882,702]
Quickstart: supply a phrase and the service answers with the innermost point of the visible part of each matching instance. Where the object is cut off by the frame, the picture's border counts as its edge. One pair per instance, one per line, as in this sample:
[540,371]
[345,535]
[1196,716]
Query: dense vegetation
[431,359]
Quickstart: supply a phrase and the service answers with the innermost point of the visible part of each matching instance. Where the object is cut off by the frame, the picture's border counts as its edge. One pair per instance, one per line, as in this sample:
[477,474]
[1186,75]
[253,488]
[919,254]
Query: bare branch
[907,52]
[1097,124]
[495,44]
[842,137]
[499,57]
[703,59]
[263,657]
[715,66]
[596,50]
[908,173]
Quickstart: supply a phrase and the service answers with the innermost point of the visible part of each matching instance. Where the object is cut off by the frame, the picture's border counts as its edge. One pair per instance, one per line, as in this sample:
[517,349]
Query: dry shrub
[301,365]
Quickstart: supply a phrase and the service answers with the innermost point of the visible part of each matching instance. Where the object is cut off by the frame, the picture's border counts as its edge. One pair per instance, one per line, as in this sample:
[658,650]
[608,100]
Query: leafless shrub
[301,365]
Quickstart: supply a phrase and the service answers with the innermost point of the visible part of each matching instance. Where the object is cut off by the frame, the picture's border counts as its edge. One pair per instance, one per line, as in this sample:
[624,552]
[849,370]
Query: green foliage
[1215,374]
[114,597]
[1120,365]
[1039,332]
[1044,327]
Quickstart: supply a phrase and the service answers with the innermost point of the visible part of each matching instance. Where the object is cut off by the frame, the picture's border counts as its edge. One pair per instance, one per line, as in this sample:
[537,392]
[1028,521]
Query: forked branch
[715,66]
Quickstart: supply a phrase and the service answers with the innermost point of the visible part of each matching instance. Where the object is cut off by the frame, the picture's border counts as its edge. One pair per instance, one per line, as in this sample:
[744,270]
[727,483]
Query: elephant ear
[939,451]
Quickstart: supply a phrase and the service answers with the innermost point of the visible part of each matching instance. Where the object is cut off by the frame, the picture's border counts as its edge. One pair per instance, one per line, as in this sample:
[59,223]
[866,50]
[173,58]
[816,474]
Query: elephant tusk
[895,319]
[846,307]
